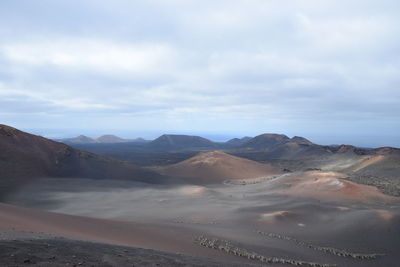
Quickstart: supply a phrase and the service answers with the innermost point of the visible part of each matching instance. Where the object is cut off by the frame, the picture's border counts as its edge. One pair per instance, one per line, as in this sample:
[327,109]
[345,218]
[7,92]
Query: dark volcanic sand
[32,249]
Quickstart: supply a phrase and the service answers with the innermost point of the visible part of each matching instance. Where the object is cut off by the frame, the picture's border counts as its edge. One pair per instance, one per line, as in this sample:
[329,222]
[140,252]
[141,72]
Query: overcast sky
[326,70]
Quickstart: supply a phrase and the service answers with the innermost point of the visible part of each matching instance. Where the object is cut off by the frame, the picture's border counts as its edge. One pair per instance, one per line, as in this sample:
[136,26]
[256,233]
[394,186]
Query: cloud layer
[328,70]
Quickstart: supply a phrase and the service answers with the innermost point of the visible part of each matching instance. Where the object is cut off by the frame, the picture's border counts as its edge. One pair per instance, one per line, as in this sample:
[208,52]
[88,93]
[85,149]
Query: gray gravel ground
[39,249]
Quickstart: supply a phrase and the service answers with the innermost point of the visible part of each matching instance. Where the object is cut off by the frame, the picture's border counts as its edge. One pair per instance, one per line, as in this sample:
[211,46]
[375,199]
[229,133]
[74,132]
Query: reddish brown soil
[216,166]
[159,237]
[329,185]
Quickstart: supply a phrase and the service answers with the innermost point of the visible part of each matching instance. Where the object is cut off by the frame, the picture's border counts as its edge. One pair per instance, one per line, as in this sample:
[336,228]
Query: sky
[327,70]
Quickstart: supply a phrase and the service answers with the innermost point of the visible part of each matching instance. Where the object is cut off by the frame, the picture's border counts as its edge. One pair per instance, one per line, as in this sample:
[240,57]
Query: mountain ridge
[262,142]
[104,139]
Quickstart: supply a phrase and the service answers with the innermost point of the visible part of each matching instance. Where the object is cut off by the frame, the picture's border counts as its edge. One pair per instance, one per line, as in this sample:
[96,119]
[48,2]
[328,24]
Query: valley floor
[36,249]
[266,221]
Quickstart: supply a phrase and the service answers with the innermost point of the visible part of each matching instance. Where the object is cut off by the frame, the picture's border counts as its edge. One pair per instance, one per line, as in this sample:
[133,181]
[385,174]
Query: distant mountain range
[274,145]
[188,142]
[104,139]
[278,145]
[25,157]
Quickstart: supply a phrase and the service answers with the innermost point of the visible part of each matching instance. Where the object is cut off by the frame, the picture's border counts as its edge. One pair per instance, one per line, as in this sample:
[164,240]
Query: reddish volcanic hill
[328,186]
[25,156]
[216,166]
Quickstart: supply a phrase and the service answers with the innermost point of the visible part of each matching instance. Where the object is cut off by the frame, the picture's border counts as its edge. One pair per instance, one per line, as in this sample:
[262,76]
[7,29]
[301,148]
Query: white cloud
[344,34]
[48,103]
[92,55]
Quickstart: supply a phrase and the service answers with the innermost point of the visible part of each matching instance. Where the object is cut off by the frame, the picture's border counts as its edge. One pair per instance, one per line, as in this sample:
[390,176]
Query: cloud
[249,66]
[91,55]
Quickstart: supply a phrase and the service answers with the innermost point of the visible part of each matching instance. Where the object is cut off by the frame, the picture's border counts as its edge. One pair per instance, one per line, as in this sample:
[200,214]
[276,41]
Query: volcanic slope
[24,157]
[216,166]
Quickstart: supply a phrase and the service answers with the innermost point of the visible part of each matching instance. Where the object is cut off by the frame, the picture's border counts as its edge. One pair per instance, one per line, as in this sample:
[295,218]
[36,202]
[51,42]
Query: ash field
[270,200]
